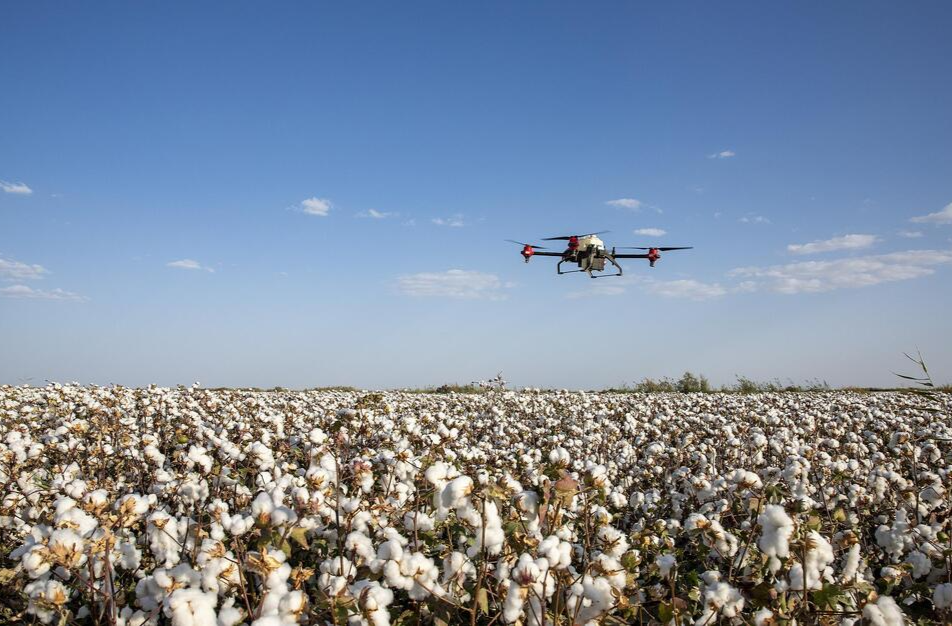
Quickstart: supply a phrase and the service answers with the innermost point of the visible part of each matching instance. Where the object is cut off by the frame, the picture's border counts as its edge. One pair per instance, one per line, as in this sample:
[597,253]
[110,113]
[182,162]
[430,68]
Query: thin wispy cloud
[723,154]
[650,232]
[15,270]
[454,221]
[455,284]
[16,188]
[910,234]
[26,292]
[689,289]
[865,271]
[188,264]
[939,217]
[754,219]
[686,289]
[846,242]
[613,287]
[377,215]
[315,206]
[632,204]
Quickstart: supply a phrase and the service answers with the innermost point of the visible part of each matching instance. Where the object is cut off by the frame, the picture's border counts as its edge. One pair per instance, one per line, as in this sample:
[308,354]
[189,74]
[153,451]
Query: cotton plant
[191,506]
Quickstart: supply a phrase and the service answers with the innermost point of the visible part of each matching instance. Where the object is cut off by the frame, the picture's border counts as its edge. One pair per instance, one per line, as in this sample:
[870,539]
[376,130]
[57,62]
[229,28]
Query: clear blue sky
[252,194]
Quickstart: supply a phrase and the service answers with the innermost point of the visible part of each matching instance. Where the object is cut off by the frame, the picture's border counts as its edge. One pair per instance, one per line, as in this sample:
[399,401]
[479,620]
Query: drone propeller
[531,245]
[601,232]
[653,248]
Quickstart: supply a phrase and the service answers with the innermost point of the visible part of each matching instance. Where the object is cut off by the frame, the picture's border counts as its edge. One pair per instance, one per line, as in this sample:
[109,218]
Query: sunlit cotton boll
[884,612]
[774,540]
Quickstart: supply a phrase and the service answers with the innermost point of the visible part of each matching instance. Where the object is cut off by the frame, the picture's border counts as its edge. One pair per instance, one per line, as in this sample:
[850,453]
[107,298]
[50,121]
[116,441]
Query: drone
[589,253]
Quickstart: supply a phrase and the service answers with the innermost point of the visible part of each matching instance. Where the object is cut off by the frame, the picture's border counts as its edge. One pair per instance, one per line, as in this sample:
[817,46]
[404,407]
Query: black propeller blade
[531,245]
[665,249]
[601,232]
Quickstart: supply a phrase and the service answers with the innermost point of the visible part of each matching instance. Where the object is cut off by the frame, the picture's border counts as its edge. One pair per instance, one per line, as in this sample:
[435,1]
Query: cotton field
[190,507]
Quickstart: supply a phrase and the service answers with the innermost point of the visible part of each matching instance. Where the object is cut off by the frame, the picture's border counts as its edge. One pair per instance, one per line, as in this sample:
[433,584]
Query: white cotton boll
[130,556]
[418,521]
[851,563]
[373,600]
[132,507]
[456,491]
[292,605]
[67,548]
[262,507]
[775,538]
[665,563]
[557,552]
[942,596]
[193,491]
[229,614]
[96,500]
[814,568]
[239,524]
[597,598]
[723,598]
[191,607]
[921,564]
[617,499]
[559,456]
[437,474]
[360,545]
[612,570]
[75,489]
[197,455]
[335,572]
[884,612]
[512,605]
[282,516]
[764,617]
[491,533]
[317,436]
[45,596]
[526,571]
[457,568]
[612,541]
[164,540]
[34,561]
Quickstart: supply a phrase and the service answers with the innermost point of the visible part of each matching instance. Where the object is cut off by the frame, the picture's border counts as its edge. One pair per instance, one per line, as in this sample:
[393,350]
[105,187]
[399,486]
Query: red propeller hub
[573,242]
[527,252]
[653,255]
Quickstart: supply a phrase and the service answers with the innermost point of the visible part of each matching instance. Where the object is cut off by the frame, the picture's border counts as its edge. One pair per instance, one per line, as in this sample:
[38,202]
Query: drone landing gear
[558,267]
[613,262]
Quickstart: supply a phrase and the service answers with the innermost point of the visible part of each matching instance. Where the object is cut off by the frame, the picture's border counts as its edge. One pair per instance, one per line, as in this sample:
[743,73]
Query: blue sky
[318,194]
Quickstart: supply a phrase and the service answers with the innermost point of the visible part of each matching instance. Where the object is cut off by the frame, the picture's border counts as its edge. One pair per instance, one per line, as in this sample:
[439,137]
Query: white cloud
[188,264]
[754,219]
[650,232]
[846,242]
[17,188]
[15,270]
[613,287]
[377,215]
[454,221]
[939,217]
[723,154]
[910,234]
[865,271]
[625,203]
[459,284]
[316,206]
[686,288]
[23,291]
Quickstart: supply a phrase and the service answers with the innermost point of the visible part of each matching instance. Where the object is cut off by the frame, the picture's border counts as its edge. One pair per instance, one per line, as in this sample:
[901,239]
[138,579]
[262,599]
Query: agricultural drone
[590,253]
